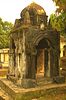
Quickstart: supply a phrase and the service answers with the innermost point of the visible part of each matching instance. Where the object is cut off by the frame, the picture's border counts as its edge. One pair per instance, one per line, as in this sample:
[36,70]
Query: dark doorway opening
[43,65]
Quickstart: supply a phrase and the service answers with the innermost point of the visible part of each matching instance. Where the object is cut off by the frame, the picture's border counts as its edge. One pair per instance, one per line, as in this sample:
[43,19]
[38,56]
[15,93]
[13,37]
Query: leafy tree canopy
[58,20]
[61,4]
[5,28]
[59,23]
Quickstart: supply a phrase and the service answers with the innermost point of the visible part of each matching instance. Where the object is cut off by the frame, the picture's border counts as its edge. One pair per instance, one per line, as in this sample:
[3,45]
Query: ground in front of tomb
[54,96]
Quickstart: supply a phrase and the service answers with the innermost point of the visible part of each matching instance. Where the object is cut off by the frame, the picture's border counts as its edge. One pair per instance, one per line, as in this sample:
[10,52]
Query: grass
[54,94]
[54,97]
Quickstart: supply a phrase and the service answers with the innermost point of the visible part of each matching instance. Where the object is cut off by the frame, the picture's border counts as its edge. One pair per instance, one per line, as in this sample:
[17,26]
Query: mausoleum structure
[34,47]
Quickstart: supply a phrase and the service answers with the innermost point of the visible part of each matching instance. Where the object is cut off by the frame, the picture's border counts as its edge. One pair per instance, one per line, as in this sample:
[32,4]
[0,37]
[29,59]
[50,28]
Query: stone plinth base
[12,78]
[59,79]
[25,83]
[18,93]
[28,83]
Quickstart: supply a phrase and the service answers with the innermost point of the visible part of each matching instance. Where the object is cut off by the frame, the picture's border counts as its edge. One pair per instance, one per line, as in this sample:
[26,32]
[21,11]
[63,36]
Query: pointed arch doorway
[43,59]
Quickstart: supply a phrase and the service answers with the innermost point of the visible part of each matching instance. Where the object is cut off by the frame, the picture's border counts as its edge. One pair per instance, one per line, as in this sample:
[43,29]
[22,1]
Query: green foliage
[5,28]
[61,4]
[59,22]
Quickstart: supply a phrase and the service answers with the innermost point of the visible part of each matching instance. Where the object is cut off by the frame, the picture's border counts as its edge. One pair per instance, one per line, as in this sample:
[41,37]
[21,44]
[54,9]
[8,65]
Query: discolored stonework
[30,36]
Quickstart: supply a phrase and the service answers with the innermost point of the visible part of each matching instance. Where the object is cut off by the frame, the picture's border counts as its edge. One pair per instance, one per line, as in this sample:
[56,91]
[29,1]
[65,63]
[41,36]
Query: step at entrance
[4,95]
[42,81]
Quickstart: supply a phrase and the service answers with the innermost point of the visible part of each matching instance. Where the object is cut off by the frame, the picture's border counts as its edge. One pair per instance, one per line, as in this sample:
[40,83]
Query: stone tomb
[34,48]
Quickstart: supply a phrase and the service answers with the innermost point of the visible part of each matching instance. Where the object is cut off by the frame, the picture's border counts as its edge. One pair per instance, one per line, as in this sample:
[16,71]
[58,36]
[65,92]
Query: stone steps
[4,84]
[4,95]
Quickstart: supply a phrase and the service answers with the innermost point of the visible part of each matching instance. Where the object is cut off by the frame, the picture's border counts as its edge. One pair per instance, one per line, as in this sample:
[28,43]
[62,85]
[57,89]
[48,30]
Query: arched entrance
[43,59]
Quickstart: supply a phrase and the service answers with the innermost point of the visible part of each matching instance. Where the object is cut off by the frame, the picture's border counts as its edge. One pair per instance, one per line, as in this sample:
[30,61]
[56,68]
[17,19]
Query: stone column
[56,61]
[18,62]
[48,69]
[33,69]
[11,71]
[12,57]
[23,67]
[17,67]
[52,64]
[27,81]
[45,62]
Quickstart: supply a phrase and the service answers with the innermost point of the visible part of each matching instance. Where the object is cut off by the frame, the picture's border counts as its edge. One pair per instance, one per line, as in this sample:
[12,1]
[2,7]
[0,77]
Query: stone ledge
[59,79]
[28,94]
[12,78]
[23,83]
[28,83]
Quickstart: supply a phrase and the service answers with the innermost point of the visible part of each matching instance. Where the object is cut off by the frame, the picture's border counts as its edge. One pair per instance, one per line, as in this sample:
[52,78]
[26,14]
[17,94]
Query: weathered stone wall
[24,42]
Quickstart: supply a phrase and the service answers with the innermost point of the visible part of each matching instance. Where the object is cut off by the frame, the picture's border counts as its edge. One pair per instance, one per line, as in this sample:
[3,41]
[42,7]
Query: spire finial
[33,0]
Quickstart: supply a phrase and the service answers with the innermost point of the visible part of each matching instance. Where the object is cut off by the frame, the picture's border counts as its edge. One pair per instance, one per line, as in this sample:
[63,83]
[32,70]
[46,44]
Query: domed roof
[39,10]
[37,7]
